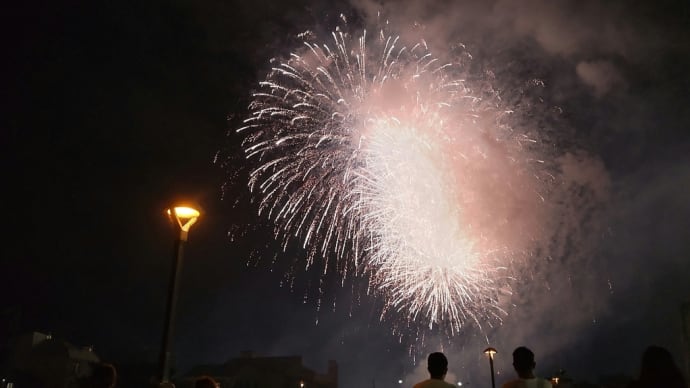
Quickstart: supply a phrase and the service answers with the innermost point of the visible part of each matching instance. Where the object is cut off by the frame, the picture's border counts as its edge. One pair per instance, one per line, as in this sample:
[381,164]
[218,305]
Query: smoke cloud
[589,55]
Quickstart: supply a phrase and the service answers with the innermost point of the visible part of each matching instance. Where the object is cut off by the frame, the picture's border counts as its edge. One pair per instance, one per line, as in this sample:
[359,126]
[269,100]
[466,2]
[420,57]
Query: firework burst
[381,157]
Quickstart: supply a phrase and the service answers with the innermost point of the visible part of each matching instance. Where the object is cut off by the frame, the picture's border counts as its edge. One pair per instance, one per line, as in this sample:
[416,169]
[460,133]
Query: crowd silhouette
[657,369]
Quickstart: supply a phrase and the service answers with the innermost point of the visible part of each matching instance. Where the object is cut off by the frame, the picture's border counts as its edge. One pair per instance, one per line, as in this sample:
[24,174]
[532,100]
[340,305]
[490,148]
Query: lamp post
[183,218]
[490,352]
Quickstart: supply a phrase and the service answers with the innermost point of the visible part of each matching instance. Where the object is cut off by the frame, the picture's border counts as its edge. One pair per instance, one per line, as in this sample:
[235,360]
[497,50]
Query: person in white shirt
[523,362]
[437,365]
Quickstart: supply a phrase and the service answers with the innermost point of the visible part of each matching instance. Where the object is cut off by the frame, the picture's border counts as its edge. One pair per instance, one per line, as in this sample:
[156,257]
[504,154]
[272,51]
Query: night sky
[111,110]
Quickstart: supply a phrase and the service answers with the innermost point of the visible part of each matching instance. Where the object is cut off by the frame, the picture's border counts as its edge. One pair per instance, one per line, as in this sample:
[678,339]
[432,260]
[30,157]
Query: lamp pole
[490,352]
[183,218]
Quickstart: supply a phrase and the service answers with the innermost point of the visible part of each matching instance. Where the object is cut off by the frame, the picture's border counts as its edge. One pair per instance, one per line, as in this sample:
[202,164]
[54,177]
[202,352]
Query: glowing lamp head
[185,217]
[490,352]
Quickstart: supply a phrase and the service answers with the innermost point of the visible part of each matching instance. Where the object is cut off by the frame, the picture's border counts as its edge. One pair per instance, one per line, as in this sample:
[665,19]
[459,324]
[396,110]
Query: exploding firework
[386,160]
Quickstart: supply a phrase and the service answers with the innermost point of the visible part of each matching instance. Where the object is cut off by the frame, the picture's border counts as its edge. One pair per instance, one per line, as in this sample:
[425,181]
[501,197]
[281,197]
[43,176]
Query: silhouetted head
[102,376]
[659,368]
[205,382]
[523,362]
[437,364]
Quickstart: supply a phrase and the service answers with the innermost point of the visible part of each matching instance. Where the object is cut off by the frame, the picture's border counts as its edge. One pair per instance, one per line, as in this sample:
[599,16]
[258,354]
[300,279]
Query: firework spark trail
[381,156]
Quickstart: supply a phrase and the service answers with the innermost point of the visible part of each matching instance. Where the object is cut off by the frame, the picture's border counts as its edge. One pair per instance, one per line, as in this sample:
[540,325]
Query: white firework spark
[380,155]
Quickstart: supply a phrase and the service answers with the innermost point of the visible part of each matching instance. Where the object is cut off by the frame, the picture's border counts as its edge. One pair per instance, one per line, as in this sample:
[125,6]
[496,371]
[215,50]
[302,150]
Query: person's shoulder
[545,383]
[433,383]
[420,384]
[512,384]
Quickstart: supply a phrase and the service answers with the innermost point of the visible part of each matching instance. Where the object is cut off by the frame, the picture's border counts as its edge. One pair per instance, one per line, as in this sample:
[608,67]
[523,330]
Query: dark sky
[114,109]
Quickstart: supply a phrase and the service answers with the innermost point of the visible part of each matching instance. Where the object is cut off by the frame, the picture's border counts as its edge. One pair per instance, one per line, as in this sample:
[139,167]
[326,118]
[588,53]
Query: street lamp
[490,352]
[182,217]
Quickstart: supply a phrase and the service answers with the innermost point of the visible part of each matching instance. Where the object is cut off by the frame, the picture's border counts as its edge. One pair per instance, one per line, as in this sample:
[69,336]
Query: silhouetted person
[523,362]
[658,370]
[437,365]
[205,382]
[102,376]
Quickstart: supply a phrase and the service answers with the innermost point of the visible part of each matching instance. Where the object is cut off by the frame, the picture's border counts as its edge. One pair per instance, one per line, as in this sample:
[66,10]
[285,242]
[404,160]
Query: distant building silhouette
[48,361]
[250,371]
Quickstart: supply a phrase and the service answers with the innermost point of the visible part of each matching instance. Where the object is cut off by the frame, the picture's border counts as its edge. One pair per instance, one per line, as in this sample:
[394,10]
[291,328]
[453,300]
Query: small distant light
[459,383]
[399,381]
